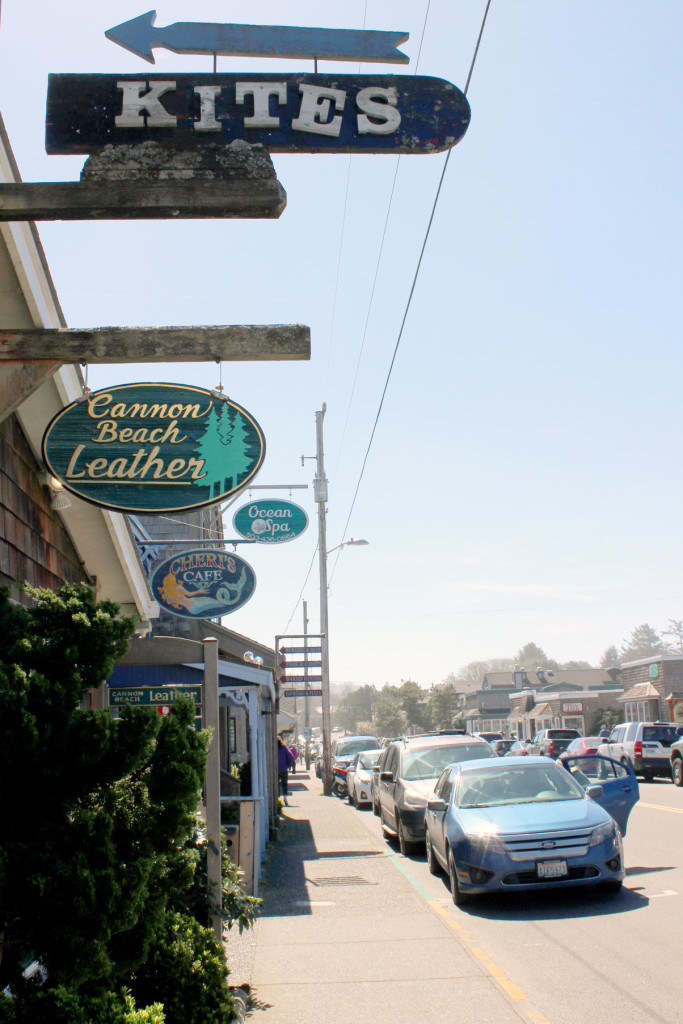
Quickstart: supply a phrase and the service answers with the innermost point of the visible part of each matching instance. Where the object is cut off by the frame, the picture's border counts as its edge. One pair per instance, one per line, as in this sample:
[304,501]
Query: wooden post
[212,786]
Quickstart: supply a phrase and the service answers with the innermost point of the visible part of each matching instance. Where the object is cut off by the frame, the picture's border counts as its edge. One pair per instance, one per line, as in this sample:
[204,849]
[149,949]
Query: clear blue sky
[525,479]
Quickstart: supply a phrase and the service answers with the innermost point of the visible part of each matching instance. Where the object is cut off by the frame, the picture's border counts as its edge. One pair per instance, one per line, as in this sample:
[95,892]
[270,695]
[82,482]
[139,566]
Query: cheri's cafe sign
[203,584]
[270,521]
[153,448]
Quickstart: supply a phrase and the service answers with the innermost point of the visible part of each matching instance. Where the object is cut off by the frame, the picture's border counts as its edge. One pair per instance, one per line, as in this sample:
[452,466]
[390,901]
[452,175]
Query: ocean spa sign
[203,584]
[270,521]
[153,448]
[286,113]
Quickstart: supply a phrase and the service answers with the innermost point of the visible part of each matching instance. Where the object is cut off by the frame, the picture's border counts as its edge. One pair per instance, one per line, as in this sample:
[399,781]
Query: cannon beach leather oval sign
[153,448]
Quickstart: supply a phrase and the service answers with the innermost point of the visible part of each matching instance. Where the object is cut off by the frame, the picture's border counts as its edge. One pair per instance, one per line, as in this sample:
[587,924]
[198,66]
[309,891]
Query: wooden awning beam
[157,344]
[256,198]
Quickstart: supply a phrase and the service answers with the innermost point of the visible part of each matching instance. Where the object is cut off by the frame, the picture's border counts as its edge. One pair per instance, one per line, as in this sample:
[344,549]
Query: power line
[411,292]
[379,260]
[302,591]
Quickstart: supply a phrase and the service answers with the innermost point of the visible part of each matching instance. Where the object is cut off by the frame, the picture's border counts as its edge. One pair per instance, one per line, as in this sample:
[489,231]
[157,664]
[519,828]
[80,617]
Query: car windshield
[344,748]
[429,762]
[525,784]
[369,760]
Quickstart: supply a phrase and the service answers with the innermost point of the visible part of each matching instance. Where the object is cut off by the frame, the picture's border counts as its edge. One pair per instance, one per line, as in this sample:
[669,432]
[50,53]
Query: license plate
[551,868]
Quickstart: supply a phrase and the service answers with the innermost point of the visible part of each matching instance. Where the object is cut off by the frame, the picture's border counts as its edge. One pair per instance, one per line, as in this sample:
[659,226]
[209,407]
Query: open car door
[620,791]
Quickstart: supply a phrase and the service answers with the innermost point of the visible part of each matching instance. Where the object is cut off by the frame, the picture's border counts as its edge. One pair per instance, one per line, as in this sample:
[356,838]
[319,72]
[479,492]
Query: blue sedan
[522,823]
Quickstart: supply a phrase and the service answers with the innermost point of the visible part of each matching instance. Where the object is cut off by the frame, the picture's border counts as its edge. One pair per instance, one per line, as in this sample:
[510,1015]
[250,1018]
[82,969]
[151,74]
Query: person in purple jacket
[284,763]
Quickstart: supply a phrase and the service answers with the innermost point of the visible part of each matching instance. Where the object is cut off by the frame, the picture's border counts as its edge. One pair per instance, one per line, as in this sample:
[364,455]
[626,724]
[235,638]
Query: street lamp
[348,543]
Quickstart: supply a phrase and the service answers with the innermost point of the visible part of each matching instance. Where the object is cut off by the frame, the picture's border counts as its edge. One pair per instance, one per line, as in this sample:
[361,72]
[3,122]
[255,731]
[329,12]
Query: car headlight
[411,798]
[486,842]
[603,833]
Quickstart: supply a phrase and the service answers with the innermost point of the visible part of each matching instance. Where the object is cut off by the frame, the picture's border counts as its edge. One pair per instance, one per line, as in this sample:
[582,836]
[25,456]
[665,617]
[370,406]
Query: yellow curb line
[497,974]
[511,990]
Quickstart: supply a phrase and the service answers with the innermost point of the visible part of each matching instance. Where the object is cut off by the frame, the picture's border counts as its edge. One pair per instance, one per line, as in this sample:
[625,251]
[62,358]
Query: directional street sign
[140,37]
[301,650]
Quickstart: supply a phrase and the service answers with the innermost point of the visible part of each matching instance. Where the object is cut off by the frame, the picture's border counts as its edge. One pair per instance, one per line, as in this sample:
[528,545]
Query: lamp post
[320,497]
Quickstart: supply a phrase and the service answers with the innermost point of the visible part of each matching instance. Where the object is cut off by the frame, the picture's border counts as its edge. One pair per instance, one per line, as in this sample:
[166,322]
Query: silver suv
[677,761]
[644,746]
[408,770]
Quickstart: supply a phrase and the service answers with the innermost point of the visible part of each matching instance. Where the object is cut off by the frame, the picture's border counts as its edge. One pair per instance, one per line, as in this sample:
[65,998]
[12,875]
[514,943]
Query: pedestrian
[284,763]
[295,753]
[603,734]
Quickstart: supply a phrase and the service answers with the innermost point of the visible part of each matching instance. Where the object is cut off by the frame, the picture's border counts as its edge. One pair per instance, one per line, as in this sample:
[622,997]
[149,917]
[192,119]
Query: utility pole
[320,496]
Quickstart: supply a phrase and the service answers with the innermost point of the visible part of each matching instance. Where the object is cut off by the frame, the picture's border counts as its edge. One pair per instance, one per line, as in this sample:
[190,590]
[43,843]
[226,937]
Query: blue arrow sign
[140,37]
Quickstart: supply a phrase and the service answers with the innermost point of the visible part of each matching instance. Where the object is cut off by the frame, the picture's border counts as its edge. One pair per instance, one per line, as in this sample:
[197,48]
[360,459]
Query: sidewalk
[346,933]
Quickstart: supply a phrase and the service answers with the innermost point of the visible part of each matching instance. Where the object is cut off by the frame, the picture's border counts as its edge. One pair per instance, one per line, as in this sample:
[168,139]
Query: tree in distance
[644,642]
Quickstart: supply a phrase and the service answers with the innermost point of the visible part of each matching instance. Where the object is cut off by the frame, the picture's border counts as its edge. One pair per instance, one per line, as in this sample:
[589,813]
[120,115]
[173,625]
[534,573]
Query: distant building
[653,689]
[521,701]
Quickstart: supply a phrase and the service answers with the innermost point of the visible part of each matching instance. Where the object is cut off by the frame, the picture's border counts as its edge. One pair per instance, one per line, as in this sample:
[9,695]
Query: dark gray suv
[408,771]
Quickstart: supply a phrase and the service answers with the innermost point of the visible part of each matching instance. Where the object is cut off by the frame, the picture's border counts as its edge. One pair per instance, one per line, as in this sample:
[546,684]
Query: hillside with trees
[410,705]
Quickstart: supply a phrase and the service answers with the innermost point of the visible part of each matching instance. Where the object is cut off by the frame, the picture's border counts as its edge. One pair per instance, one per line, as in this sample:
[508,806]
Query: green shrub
[237,907]
[61,1005]
[185,971]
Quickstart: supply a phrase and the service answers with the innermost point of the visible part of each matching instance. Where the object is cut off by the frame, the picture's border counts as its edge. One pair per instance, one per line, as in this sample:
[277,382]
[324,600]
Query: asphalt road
[581,957]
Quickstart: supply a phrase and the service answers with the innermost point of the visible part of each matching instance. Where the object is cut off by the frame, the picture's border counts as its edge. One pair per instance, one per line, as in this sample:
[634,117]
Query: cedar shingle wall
[34,546]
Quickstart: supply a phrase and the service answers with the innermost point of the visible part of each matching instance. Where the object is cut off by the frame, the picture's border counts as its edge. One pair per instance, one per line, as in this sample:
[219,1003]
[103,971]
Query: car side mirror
[436,805]
[594,792]
[386,776]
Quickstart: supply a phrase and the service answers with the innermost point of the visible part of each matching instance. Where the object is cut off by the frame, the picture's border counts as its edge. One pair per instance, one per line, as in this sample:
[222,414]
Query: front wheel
[677,772]
[460,898]
[432,862]
[404,845]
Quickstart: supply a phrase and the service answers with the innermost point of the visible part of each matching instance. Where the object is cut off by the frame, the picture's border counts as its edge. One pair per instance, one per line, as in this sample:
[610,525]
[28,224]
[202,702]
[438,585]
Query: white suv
[644,746]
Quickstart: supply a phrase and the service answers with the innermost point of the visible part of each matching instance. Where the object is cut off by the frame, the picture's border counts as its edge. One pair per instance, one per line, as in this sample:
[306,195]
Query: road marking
[529,1012]
[667,892]
[661,807]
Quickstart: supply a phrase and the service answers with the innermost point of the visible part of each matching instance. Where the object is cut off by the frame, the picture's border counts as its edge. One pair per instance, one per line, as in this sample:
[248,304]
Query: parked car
[645,746]
[552,742]
[518,748]
[582,745]
[525,824]
[676,757]
[410,768]
[501,747]
[359,777]
[344,750]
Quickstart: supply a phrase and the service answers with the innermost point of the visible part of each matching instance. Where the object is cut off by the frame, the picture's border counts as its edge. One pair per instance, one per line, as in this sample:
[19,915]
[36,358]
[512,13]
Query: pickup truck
[551,742]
